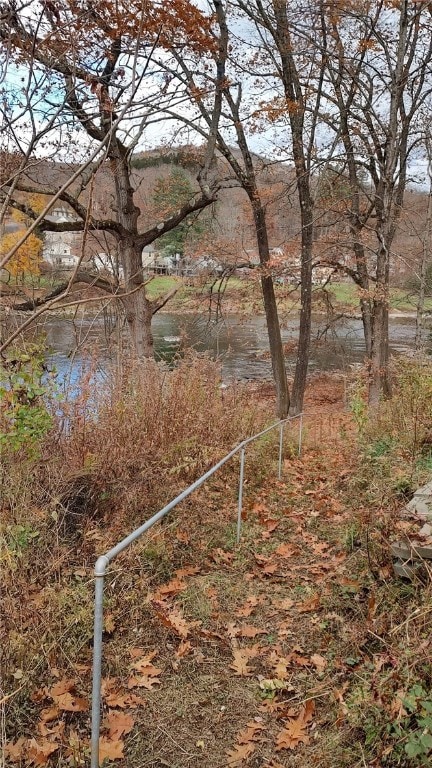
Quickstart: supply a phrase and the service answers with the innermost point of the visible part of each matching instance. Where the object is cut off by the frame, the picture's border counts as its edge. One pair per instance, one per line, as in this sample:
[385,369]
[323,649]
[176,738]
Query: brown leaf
[183,649]
[319,662]
[63,686]
[144,662]
[173,619]
[112,695]
[15,750]
[143,681]
[183,537]
[118,724]
[285,550]
[70,703]
[296,658]
[292,735]
[219,555]
[173,587]
[248,607]
[283,605]
[247,630]
[311,604]
[270,569]
[109,623]
[270,524]
[38,754]
[280,668]
[252,732]
[49,713]
[188,570]
[240,663]
[239,754]
[111,750]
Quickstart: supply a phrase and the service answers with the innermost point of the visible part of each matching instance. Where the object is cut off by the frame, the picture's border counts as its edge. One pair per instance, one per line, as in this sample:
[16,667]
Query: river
[240,344]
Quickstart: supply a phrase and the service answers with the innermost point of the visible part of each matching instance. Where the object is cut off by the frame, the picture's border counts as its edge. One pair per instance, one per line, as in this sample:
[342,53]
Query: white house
[60,248]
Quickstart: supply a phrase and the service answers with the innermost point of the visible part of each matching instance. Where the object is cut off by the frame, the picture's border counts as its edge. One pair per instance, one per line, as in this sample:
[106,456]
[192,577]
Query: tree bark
[270,307]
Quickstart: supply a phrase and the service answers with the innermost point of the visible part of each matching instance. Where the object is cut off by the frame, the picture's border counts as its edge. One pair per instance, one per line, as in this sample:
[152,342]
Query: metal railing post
[240,494]
[281,435]
[100,569]
[300,438]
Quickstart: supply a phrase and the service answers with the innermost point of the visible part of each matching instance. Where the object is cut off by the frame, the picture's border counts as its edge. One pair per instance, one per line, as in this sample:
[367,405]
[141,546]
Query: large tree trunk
[137,307]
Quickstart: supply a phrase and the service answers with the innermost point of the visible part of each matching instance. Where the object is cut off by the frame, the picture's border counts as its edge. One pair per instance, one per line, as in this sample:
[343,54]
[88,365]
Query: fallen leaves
[172,617]
[148,673]
[110,750]
[38,753]
[242,657]
[295,730]
[246,744]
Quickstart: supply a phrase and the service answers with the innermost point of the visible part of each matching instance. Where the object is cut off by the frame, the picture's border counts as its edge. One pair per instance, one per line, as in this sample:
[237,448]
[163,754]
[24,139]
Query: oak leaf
[15,750]
[248,607]
[70,703]
[292,735]
[38,754]
[118,724]
[251,732]
[173,619]
[311,604]
[240,663]
[285,550]
[63,686]
[239,754]
[187,570]
[183,649]
[50,713]
[111,750]
[283,605]
[248,630]
[170,589]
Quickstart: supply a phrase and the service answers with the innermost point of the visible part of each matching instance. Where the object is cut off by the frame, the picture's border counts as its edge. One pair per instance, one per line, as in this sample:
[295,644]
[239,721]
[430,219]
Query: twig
[189,754]
[416,614]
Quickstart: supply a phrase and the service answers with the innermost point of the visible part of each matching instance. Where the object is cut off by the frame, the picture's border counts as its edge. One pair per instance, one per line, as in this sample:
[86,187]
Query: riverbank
[241,296]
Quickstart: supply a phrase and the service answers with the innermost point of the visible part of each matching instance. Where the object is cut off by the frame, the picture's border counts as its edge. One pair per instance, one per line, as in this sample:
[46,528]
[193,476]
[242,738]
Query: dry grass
[312,575]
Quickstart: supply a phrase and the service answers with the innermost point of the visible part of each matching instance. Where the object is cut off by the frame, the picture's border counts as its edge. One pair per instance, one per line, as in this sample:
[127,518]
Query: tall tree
[196,78]
[379,56]
[290,63]
[93,82]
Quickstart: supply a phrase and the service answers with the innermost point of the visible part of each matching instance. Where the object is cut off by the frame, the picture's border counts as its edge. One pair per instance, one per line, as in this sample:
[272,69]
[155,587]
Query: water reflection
[239,343]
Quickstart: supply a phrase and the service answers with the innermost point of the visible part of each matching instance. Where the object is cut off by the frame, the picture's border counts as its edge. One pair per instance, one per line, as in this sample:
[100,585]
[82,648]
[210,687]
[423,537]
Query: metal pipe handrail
[104,560]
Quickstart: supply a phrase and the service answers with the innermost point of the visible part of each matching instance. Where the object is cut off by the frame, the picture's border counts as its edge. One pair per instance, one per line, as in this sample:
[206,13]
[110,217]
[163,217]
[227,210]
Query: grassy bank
[298,647]
[243,296]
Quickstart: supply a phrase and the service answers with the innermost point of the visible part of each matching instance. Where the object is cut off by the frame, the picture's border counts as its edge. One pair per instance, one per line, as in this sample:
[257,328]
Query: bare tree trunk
[137,307]
[303,349]
[270,307]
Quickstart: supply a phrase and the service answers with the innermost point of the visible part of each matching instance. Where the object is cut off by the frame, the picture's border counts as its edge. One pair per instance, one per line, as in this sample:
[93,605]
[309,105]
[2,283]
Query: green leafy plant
[24,416]
[414,729]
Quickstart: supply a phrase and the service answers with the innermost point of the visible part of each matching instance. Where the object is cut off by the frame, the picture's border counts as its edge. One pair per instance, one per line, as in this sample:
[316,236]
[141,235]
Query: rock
[412,570]
[425,531]
[411,550]
[421,507]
